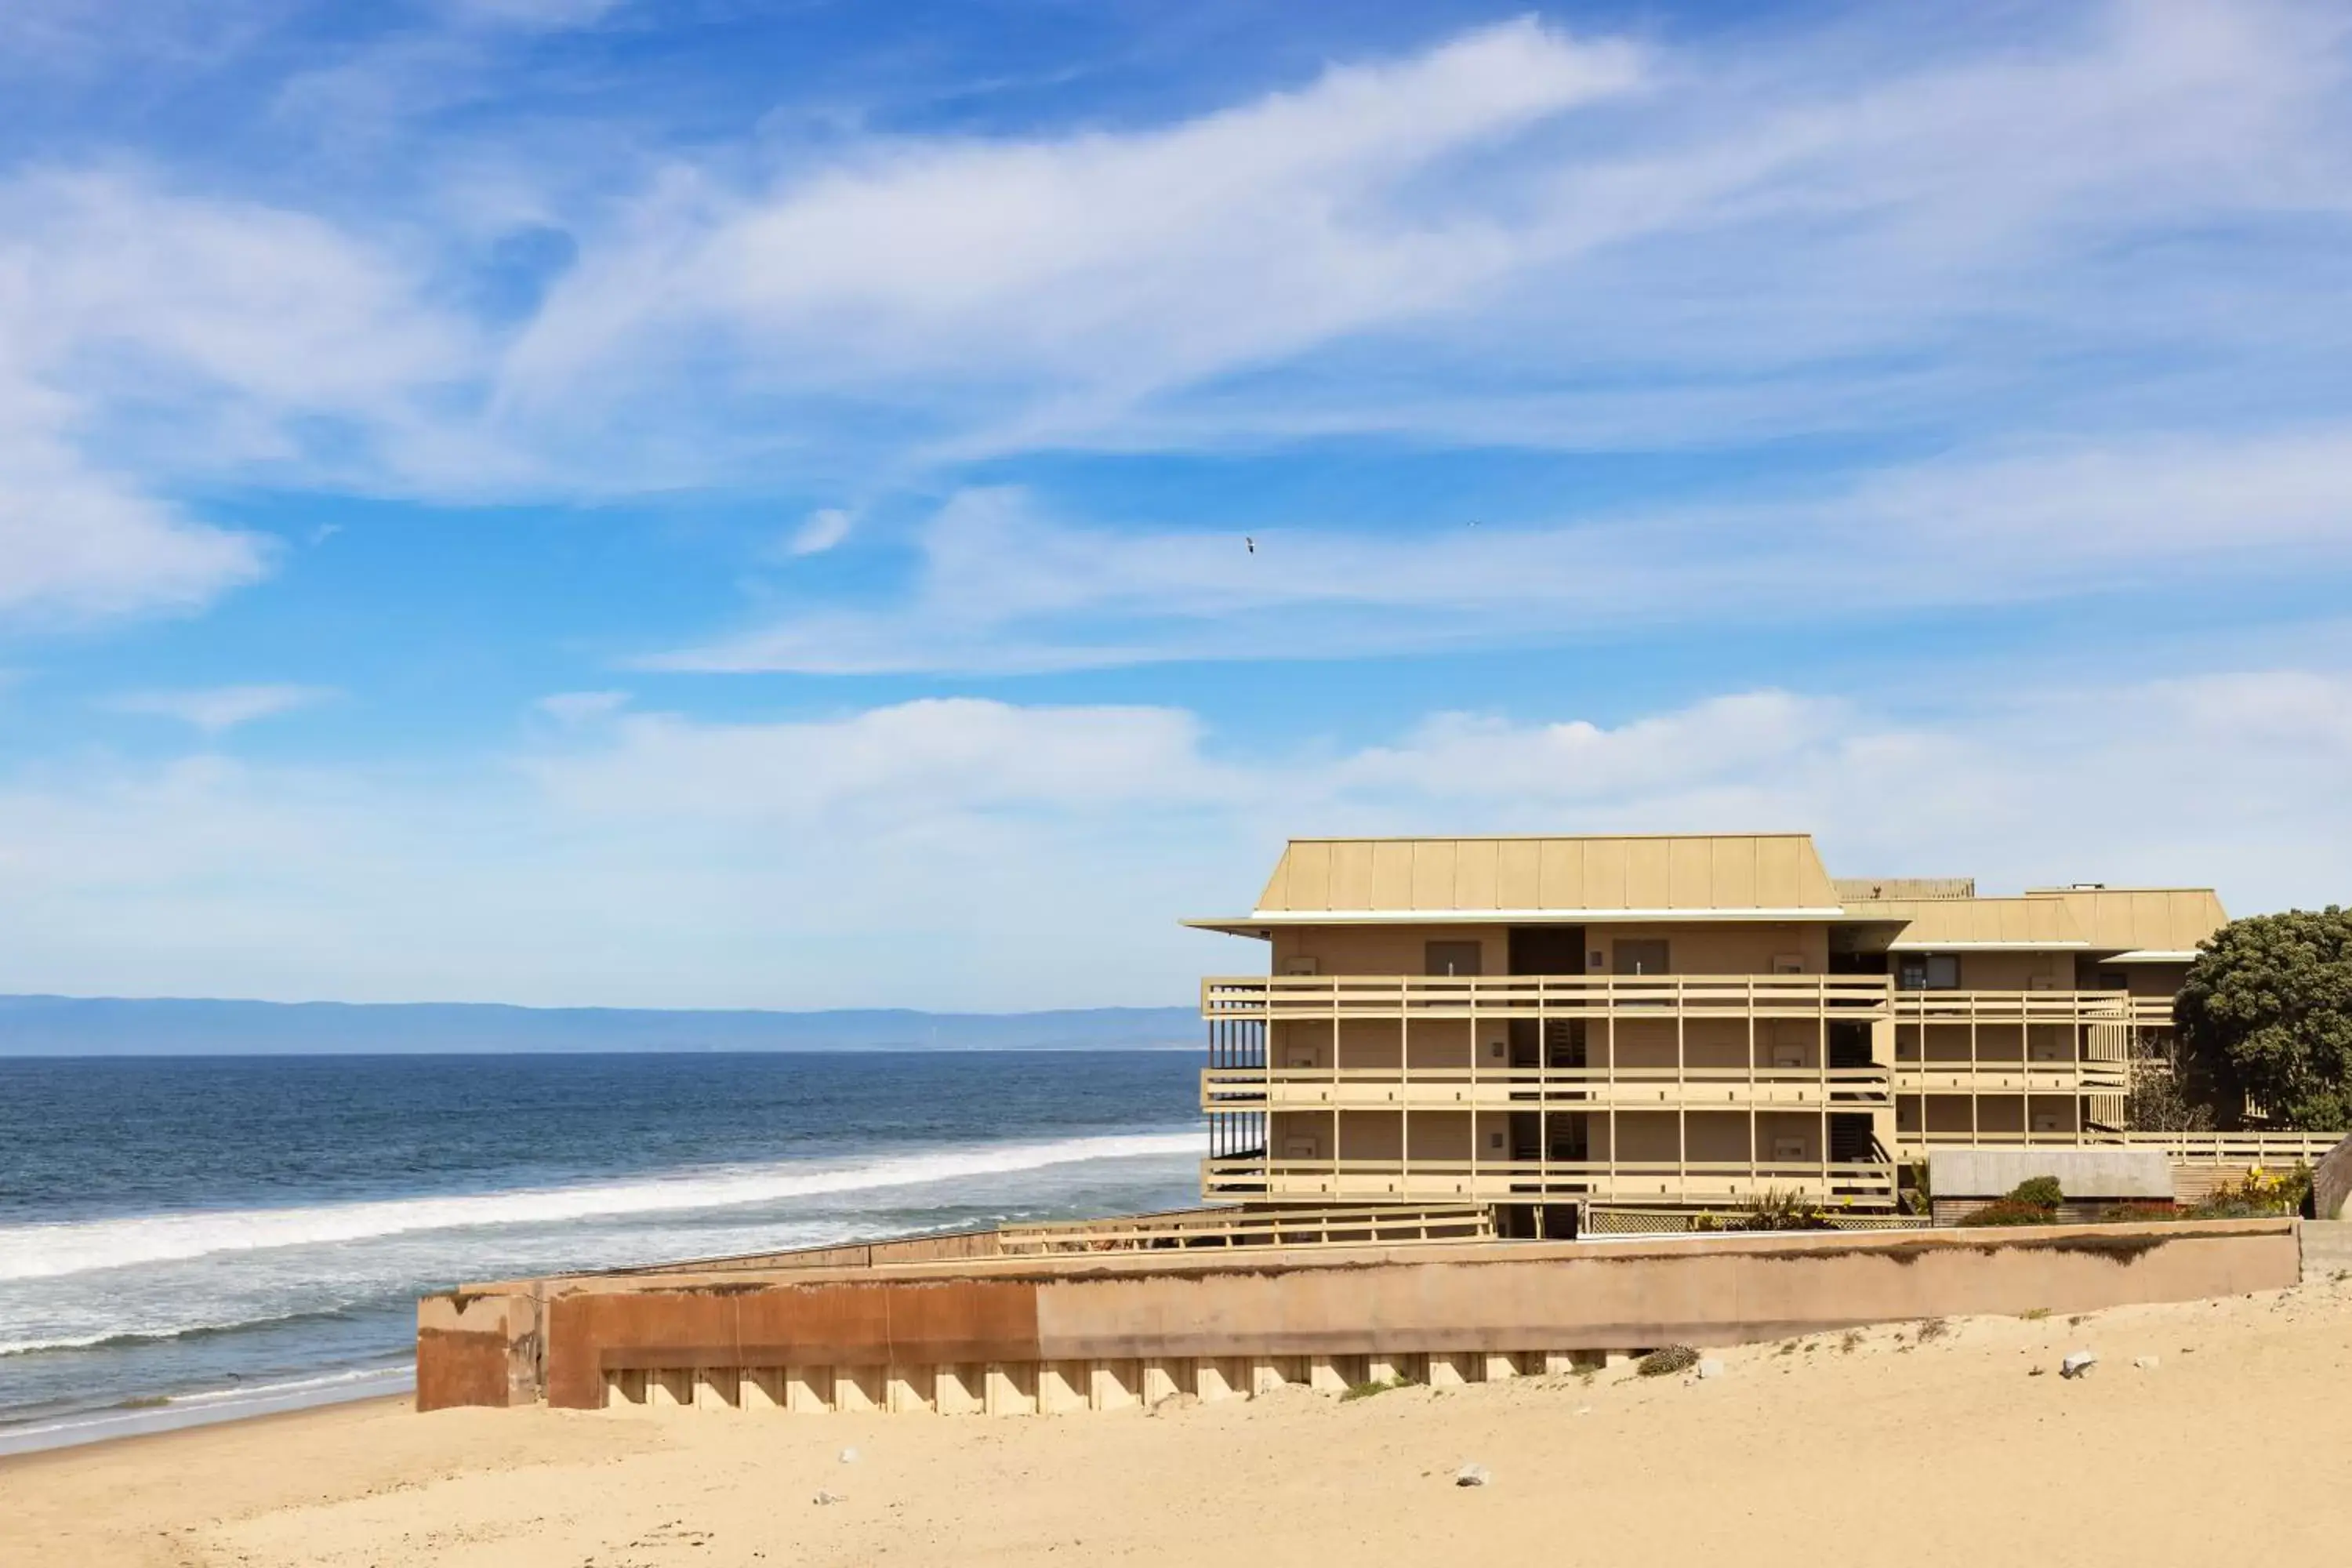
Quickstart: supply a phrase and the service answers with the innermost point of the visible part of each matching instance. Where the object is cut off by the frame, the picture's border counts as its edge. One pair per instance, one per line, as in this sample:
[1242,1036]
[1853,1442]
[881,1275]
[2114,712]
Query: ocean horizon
[57,1025]
[188,1239]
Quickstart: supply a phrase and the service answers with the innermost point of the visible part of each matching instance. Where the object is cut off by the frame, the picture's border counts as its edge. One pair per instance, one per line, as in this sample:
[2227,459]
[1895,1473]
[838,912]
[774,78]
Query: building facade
[1679,1022]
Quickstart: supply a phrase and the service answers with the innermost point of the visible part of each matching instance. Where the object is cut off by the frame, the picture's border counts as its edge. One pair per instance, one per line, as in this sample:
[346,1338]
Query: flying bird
[1249,543]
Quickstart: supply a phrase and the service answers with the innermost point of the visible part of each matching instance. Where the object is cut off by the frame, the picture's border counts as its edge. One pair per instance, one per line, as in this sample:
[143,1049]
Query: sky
[805,505]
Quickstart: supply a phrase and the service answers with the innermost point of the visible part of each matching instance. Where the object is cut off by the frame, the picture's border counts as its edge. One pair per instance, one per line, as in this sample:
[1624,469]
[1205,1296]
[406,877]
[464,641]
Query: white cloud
[216,709]
[890,765]
[822,531]
[1006,588]
[1089,265]
[979,854]
[574,707]
[533,15]
[78,543]
[1515,237]
[176,336]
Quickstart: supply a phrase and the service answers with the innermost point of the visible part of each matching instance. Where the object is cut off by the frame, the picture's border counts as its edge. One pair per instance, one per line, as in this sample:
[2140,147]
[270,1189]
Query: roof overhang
[1263,922]
[2022,945]
[2151,955]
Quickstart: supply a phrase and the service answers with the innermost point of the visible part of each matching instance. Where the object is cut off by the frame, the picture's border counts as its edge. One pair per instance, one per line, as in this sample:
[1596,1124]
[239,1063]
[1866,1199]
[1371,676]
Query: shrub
[2122,1214]
[2043,1190]
[1662,1362]
[2259,1194]
[1777,1210]
[1366,1390]
[2033,1200]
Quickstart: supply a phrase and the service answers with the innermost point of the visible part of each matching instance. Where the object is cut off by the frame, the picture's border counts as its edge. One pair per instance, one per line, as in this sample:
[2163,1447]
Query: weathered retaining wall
[1005,1333]
[480,1347]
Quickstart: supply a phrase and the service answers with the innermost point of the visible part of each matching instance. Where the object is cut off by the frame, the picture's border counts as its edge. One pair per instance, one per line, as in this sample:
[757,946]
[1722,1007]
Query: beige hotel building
[1548,1025]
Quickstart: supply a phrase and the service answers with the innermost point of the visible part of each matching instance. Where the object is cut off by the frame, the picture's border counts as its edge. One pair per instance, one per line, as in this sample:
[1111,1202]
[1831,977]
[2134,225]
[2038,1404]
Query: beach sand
[2232,1447]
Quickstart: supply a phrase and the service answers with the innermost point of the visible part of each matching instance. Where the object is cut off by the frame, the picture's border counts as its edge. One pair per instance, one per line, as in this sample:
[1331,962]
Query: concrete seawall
[1023,1334]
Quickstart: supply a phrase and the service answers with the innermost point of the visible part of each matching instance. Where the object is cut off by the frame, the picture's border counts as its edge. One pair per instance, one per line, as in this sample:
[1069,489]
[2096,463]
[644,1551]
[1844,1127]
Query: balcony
[2087,1075]
[1686,1183]
[2011,1009]
[2269,1150]
[1602,1089]
[1275,998]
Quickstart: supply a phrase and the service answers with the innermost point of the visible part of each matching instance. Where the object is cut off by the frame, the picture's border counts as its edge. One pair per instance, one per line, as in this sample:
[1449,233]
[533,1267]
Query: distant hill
[106,1026]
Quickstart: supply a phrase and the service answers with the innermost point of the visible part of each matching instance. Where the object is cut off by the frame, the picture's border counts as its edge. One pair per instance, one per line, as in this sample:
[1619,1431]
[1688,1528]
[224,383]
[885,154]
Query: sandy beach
[1942,1448]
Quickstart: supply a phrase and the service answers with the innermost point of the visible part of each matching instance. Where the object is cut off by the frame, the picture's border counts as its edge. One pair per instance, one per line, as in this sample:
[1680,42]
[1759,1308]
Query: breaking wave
[53,1250]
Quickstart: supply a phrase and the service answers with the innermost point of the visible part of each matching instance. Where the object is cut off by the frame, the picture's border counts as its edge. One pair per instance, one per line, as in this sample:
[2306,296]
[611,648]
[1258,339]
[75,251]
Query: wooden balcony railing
[1275,997]
[2093,1075]
[1691,1183]
[2272,1150]
[1314,1224]
[1544,1089]
[2013,1008]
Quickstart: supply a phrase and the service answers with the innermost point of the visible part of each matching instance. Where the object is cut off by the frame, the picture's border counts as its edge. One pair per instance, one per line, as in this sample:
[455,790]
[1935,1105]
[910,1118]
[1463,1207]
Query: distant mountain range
[108,1026]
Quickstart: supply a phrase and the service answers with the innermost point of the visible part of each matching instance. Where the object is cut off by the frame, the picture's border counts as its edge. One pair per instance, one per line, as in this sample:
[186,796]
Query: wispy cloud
[1004,587]
[78,543]
[2105,220]
[895,764]
[1081,267]
[823,529]
[664,859]
[582,706]
[1503,239]
[216,709]
[177,337]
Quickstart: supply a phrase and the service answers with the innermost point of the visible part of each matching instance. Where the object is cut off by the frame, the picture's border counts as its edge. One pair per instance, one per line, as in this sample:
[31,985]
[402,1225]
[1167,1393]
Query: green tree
[2267,1012]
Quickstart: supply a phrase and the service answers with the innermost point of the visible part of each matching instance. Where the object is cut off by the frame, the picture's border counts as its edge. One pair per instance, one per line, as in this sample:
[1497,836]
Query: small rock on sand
[826,1499]
[2077,1363]
[1710,1367]
[1472,1475]
[849,1455]
[2145,1362]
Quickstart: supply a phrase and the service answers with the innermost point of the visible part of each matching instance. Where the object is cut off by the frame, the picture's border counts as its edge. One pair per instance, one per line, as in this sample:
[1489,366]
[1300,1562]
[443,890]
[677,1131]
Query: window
[1927,972]
[1647,956]
[1456,958]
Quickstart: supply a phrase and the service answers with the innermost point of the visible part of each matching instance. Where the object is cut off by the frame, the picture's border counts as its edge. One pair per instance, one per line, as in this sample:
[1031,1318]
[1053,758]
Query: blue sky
[733,504]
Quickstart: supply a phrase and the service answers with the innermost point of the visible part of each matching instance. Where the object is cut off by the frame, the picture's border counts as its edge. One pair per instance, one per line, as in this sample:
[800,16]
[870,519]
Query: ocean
[194,1239]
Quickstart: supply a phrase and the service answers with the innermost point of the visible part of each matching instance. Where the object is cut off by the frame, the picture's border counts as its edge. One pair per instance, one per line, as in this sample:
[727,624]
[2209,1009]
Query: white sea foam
[142,1334]
[52,1250]
[209,1405]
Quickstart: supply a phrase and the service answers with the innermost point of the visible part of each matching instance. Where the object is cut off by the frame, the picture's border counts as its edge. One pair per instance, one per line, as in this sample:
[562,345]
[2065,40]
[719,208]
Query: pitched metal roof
[1626,877]
[2154,921]
[1571,878]
[1940,923]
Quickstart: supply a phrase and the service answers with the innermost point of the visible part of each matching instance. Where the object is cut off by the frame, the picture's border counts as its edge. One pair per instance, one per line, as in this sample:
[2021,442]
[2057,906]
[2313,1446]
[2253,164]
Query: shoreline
[18,1461]
[1958,1439]
[220,1409]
